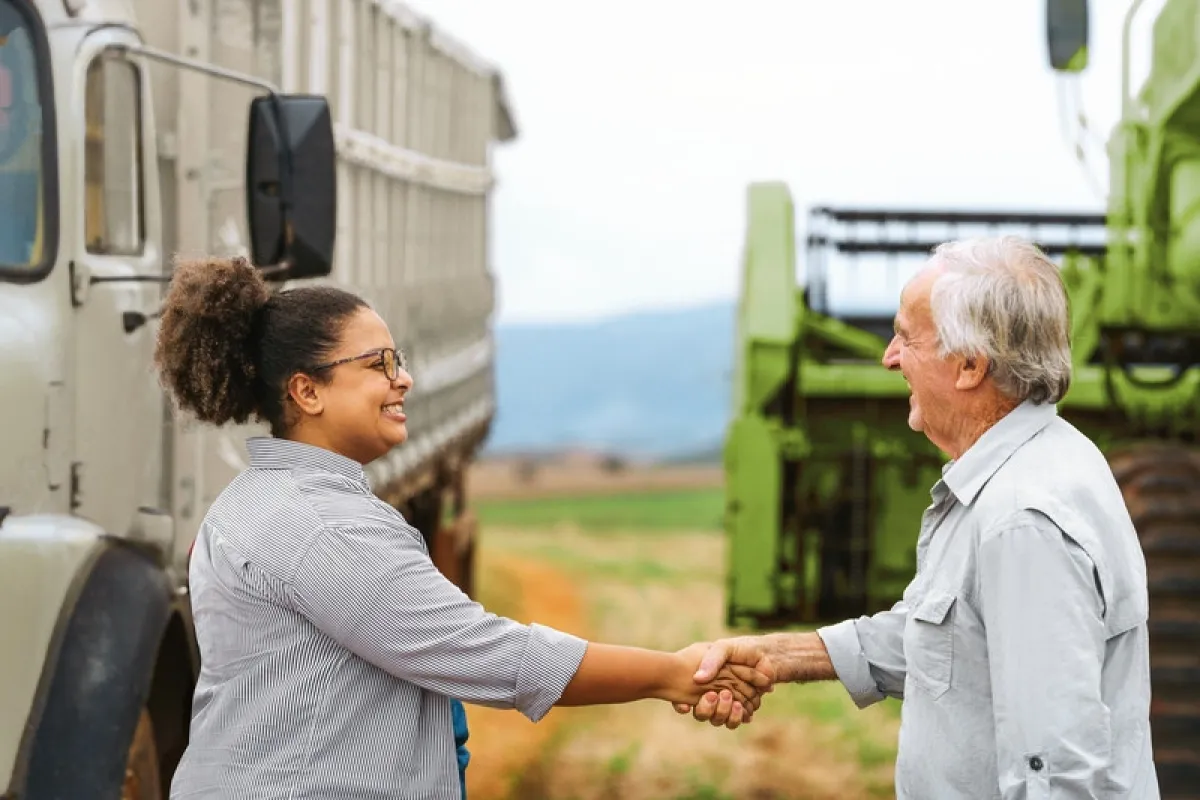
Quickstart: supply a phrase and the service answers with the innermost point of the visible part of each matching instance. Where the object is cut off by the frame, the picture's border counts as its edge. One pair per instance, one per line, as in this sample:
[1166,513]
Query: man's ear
[303,391]
[971,372]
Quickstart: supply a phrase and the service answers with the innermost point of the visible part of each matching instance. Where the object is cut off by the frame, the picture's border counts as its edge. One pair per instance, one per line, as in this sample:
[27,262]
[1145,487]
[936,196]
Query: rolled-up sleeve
[868,654]
[1043,613]
[376,592]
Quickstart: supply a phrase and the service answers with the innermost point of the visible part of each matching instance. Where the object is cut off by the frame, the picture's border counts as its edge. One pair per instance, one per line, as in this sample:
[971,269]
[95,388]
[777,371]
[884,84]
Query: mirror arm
[194,65]
[280,120]
[129,279]
[277,271]
[123,50]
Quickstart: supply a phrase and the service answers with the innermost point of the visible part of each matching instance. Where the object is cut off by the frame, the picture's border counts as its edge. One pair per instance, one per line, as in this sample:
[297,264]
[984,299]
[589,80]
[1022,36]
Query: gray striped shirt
[330,643]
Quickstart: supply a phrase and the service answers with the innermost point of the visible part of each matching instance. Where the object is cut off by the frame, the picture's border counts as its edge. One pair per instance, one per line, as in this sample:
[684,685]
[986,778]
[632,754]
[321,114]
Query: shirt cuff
[551,660]
[849,662]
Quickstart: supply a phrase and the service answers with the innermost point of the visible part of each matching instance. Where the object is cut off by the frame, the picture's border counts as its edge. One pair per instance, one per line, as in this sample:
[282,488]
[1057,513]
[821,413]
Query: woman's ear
[303,391]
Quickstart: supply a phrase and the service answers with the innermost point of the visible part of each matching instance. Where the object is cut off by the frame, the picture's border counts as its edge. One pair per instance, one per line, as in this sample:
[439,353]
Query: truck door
[117,289]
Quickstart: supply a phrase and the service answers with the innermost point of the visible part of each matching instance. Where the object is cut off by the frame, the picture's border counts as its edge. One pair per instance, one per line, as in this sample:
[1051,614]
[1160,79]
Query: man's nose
[891,356]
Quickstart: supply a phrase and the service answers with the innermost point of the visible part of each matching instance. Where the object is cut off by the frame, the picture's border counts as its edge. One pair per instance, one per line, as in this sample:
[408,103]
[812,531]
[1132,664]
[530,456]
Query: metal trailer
[124,140]
[825,482]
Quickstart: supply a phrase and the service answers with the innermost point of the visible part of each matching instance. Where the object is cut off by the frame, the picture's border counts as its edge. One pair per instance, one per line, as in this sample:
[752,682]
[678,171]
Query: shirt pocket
[929,643]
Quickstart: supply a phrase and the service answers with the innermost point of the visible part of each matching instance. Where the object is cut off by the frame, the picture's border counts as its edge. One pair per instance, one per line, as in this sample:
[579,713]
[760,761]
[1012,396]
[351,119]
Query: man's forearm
[799,657]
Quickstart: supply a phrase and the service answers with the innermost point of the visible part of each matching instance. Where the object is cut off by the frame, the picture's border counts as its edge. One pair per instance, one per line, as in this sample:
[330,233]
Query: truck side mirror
[291,185]
[1067,34]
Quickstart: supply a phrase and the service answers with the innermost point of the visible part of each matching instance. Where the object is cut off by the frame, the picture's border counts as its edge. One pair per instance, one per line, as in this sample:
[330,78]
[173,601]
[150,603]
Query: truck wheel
[1161,487]
[142,781]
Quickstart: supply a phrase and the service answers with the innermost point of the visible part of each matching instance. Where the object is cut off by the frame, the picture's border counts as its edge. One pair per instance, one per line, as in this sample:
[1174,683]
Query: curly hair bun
[206,351]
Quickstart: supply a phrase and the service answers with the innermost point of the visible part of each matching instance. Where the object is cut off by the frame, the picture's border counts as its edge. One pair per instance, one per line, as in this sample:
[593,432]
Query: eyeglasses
[393,361]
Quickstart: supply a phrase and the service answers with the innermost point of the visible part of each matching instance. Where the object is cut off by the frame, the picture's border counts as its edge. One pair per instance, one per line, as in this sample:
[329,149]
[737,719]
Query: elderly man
[1020,648]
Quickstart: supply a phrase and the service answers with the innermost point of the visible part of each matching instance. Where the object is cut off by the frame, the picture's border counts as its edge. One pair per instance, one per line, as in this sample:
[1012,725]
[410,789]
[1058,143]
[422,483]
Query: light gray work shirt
[330,644]
[1020,649]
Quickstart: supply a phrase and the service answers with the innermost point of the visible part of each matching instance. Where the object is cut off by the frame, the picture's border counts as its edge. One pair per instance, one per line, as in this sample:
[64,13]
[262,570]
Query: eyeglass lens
[393,362]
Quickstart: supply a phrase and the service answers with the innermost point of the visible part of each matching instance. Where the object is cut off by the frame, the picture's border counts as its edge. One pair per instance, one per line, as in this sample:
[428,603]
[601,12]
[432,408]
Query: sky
[642,122]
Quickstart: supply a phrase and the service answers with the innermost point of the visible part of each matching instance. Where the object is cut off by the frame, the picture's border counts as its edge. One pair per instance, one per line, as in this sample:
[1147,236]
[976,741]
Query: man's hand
[719,708]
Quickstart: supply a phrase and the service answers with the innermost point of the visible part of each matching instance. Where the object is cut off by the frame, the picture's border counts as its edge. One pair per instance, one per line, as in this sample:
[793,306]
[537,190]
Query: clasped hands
[730,677]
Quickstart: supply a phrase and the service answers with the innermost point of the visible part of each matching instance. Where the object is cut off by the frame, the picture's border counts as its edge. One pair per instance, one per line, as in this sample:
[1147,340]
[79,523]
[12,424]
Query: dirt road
[504,743]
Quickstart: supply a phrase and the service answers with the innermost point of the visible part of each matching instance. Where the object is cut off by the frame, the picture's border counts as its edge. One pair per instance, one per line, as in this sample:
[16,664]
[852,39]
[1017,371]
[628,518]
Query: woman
[330,645]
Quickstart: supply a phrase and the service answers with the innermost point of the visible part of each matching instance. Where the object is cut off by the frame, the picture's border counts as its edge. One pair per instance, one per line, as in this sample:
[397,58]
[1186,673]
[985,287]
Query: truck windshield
[23,245]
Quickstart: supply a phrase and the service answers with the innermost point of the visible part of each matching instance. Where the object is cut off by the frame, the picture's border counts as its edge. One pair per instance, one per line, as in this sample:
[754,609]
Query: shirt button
[1035,764]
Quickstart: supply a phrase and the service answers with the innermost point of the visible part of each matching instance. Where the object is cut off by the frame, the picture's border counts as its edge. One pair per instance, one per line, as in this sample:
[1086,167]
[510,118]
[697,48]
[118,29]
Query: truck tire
[142,781]
[1161,487]
[93,698]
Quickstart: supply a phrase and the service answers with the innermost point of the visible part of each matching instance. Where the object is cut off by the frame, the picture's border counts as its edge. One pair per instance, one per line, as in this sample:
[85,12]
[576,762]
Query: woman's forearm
[617,674]
[614,674]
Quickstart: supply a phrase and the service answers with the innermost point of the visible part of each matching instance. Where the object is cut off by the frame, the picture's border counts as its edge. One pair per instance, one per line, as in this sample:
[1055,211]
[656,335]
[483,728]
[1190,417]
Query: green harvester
[825,482]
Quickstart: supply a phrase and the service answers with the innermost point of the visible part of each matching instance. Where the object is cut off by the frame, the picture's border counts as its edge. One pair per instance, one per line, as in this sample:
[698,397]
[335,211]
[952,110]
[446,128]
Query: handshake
[728,680]
[719,682]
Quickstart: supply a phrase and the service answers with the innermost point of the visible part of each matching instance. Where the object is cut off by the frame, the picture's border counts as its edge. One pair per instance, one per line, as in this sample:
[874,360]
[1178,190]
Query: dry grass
[662,591]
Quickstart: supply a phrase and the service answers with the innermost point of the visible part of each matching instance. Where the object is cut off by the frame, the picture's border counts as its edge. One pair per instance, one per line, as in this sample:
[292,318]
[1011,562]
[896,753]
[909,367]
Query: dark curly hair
[227,344]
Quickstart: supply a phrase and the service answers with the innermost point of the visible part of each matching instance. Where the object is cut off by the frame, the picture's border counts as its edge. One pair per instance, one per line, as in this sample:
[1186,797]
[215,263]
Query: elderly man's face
[913,351]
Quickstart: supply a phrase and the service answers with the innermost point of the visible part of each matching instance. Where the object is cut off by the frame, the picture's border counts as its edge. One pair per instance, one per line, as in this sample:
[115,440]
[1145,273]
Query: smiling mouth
[396,411]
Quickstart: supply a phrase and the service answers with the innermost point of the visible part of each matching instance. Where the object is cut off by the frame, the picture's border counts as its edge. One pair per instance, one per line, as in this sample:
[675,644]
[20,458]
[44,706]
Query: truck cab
[98,660]
[136,131]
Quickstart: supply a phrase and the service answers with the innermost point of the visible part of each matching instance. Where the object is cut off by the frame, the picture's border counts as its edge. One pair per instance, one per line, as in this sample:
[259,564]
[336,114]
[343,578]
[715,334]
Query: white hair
[1003,299]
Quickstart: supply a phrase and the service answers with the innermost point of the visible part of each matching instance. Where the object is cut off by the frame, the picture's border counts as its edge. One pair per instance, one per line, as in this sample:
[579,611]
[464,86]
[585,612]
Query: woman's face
[358,412]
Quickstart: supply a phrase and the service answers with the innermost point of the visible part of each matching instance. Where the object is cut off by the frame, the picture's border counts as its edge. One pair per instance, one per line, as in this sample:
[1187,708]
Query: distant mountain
[648,385]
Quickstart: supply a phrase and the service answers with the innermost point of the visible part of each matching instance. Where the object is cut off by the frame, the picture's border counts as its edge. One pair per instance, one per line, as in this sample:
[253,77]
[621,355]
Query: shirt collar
[269,452]
[967,475]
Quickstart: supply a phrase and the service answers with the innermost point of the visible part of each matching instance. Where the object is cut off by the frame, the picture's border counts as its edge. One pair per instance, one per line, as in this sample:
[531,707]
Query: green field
[649,570]
[678,510]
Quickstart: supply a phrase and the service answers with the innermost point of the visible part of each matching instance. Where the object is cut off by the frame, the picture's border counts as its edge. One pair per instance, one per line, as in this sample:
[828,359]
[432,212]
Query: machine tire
[142,781]
[1161,487]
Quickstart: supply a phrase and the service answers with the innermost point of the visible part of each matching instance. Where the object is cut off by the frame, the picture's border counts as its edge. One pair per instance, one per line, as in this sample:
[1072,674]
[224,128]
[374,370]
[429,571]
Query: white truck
[341,141]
